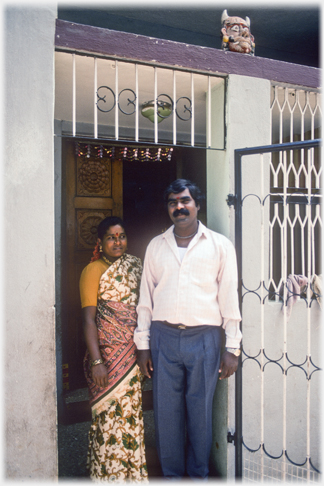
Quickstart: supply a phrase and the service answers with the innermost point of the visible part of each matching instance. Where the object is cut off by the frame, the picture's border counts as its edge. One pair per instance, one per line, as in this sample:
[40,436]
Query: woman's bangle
[96,362]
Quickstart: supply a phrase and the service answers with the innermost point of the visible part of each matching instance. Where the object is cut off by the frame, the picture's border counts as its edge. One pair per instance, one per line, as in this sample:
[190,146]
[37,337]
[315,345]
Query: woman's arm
[99,372]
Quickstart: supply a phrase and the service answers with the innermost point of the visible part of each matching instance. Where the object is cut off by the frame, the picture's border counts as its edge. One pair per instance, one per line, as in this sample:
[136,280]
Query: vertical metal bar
[209,113]
[117,102]
[155,107]
[136,105]
[292,241]
[310,273]
[313,170]
[302,134]
[291,139]
[95,111]
[174,108]
[312,115]
[284,277]
[271,243]
[280,119]
[238,374]
[262,314]
[73,95]
[192,111]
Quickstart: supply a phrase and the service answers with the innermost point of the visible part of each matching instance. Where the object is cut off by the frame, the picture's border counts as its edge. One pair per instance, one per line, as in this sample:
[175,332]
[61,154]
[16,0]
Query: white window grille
[105,98]
[296,116]
[295,113]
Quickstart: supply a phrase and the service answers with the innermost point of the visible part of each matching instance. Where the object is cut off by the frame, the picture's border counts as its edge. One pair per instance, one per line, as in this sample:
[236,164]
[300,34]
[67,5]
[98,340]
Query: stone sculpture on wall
[236,35]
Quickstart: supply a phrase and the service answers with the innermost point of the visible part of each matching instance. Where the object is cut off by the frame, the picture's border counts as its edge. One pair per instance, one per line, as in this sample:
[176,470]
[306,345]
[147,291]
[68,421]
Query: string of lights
[129,154]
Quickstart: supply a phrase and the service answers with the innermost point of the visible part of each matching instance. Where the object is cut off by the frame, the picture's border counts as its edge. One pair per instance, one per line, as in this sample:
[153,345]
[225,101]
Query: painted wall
[247,125]
[29,362]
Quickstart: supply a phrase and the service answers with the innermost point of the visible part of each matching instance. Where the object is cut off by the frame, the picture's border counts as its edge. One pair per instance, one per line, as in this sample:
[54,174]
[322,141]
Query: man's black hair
[180,185]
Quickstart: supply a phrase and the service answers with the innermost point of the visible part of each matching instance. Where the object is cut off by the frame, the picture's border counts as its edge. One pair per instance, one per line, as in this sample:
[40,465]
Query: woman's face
[114,243]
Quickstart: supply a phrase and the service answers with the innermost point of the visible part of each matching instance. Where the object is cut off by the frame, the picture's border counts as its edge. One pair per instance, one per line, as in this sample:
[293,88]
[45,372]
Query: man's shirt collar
[202,230]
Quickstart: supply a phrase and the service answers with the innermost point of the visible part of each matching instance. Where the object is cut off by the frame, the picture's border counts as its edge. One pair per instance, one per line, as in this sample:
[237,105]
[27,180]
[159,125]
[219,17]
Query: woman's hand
[100,375]
[99,372]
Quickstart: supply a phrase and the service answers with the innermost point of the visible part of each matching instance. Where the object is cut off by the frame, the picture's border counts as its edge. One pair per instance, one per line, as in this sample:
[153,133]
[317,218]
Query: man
[188,294]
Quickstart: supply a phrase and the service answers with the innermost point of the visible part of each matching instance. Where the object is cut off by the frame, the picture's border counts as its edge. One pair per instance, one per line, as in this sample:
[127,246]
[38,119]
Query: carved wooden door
[92,189]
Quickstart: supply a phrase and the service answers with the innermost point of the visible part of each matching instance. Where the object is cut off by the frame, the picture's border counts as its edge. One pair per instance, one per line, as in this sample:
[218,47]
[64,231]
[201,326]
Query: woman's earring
[100,248]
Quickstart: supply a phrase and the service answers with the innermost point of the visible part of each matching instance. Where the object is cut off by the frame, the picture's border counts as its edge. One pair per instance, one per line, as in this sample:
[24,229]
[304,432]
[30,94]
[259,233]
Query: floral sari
[116,438]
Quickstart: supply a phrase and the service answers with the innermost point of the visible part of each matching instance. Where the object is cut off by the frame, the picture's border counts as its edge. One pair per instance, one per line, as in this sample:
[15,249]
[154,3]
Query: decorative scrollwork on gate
[129,101]
[106,102]
[186,109]
[103,98]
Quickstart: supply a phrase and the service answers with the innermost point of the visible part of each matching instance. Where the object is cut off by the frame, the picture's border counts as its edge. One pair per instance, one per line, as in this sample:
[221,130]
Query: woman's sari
[116,438]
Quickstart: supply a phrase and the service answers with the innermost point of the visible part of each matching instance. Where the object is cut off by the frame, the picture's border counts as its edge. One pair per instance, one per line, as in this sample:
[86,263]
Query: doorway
[95,185]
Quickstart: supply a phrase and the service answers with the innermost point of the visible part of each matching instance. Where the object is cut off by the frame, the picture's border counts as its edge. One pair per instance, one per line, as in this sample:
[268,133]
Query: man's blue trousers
[185,372]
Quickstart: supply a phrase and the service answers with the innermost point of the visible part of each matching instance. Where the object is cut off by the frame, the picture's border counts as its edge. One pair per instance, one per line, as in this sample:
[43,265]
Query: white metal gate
[278,232]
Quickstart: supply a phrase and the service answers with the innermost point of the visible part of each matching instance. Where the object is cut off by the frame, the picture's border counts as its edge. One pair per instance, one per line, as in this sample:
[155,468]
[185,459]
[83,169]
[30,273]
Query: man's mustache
[182,211]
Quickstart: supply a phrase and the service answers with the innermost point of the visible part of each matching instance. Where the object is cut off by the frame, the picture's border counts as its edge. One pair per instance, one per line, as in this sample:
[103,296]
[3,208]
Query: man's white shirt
[198,289]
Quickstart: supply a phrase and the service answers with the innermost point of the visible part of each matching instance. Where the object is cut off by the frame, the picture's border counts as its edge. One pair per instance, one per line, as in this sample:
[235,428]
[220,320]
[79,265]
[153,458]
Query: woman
[109,288]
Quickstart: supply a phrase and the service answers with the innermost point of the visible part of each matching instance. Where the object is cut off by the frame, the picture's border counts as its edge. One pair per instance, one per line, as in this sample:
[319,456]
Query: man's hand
[144,361]
[228,365]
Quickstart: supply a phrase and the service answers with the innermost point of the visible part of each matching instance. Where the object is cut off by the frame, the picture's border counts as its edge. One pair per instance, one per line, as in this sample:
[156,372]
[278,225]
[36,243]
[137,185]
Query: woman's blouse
[89,282]
[118,282]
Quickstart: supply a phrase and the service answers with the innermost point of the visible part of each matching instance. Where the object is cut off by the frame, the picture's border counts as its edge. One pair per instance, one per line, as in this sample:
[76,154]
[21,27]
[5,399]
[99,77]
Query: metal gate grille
[278,229]
[104,98]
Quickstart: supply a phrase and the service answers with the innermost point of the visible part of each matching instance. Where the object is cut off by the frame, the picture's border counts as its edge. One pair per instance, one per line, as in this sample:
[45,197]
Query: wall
[29,363]
[247,125]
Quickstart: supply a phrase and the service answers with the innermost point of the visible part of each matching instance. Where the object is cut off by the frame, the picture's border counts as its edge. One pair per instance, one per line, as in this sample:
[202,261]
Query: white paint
[29,373]
[247,125]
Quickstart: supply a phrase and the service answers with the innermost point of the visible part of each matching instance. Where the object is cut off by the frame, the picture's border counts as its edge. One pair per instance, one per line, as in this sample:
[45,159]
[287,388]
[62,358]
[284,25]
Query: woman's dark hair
[102,228]
[180,185]
[105,224]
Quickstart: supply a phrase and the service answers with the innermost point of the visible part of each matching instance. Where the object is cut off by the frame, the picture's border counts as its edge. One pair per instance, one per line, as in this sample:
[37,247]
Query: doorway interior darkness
[144,183]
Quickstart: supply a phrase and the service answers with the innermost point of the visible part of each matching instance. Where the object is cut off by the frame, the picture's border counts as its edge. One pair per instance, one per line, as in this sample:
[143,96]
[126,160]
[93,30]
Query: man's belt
[179,326]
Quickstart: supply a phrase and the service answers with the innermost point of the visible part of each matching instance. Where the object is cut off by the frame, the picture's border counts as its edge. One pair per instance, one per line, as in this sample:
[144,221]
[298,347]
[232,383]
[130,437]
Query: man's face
[182,208]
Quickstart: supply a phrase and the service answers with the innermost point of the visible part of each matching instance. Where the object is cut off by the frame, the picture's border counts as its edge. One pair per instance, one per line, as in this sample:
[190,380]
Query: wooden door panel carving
[92,190]
[94,176]
[87,222]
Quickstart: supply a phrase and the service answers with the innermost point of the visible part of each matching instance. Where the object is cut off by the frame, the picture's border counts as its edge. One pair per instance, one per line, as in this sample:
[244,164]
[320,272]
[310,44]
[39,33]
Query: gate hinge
[231,437]
[231,200]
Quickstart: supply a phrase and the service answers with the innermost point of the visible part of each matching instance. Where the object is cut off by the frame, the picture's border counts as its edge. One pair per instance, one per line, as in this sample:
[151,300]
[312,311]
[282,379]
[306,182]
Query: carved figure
[236,35]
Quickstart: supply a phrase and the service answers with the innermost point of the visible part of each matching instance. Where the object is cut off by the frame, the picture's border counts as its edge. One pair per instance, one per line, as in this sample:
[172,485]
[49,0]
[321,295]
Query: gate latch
[231,437]
[231,200]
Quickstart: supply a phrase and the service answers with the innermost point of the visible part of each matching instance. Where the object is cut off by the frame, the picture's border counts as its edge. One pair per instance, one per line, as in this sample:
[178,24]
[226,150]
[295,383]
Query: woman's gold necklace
[106,260]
